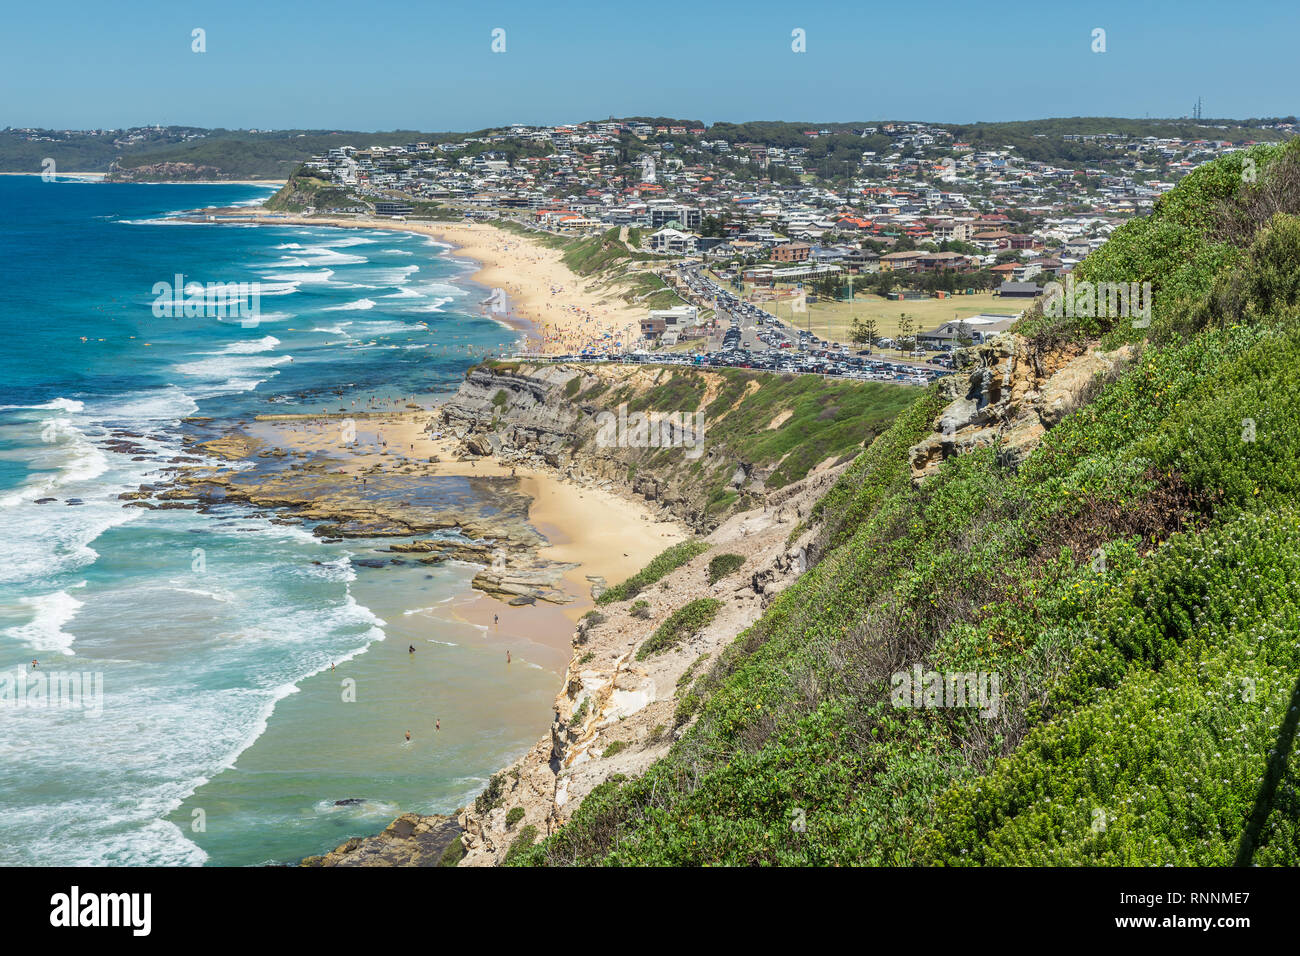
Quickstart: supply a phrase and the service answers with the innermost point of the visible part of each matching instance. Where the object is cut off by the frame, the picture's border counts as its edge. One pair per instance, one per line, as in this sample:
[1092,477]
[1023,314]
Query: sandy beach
[603,532]
[556,310]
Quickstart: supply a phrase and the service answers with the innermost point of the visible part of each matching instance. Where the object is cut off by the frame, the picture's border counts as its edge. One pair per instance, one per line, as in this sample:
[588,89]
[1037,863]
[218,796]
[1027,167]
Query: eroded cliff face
[616,714]
[1010,392]
[554,415]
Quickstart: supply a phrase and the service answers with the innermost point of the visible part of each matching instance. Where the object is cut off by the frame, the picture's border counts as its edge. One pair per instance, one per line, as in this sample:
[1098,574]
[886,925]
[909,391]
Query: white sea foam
[358,305]
[58,404]
[44,633]
[263,344]
[295,279]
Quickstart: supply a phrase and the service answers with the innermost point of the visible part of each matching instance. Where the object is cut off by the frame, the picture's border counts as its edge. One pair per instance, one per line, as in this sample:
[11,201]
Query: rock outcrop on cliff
[410,840]
[695,459]
[164,172]
[1009,393]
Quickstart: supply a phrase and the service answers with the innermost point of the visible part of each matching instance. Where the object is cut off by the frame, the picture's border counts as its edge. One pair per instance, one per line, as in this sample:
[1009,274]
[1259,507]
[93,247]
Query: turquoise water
[224,736]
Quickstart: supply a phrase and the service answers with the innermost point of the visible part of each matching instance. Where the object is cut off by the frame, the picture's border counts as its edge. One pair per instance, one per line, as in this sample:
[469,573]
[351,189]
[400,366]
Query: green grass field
[832,320]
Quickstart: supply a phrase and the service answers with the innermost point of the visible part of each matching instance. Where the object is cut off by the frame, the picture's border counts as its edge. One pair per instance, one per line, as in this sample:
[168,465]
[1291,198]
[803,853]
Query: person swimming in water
[411,649]
[408,736]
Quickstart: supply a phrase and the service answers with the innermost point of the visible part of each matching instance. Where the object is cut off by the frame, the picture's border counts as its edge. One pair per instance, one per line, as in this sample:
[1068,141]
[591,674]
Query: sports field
[832,320]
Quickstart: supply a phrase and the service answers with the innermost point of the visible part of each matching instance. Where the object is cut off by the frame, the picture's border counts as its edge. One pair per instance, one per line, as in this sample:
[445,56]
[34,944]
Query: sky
[430,65]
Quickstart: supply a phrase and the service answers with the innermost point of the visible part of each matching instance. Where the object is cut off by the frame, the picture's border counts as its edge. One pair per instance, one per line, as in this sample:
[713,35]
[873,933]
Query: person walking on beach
[437,724]
[507,657]
[411,649]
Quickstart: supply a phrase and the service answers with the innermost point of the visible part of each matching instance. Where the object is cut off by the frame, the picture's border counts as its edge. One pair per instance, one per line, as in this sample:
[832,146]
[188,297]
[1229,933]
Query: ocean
[256,681]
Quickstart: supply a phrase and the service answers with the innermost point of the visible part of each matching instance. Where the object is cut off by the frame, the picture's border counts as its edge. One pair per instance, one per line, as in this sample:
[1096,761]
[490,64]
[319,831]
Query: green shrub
[617,746]
[492,795]
[453,854]
[686,621]
[640,609]
[669,560]
[521,844]
[514,816]
[723,564]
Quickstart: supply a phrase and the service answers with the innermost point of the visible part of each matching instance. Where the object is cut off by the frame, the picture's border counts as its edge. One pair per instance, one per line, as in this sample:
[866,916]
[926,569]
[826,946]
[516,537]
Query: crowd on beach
[563,326]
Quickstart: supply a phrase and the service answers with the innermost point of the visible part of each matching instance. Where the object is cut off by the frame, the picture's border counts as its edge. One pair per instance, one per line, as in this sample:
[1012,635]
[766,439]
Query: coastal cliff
[701,444]
[747,486]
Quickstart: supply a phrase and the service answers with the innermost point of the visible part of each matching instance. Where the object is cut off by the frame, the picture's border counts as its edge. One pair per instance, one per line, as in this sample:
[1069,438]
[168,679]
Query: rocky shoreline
[617,710]
[438,517]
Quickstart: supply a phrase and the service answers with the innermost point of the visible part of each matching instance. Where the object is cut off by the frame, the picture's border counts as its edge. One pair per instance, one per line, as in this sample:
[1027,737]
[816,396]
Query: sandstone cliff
[616,714]
[1009,392]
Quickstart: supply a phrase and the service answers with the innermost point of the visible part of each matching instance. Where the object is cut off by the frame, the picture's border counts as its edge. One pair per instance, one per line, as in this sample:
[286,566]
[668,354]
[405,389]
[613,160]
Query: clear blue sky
[428,65]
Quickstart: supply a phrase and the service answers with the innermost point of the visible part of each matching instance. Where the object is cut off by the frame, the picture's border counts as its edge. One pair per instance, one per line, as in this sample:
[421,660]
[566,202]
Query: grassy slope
[1136,585]
[827,420]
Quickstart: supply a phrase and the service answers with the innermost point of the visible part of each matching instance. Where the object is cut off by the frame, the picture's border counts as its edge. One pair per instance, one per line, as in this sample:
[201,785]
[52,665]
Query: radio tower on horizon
[1196,111]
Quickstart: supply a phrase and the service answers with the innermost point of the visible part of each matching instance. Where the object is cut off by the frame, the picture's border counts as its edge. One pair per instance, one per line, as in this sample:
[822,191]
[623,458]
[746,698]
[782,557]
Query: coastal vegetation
[723,564]
[681,624]
[303,191]
[527,837]
[790,422]
[667,561]
[1133,585]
